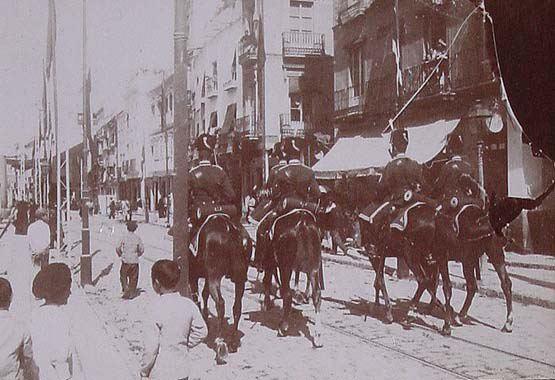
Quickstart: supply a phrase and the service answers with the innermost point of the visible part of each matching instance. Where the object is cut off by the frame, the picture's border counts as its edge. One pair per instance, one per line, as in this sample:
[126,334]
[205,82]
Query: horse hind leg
[380,284]
[317,301]
[376,266]
[287,300]
[237,310]
[471,287]
[506,286]
[216,294]
[205,295]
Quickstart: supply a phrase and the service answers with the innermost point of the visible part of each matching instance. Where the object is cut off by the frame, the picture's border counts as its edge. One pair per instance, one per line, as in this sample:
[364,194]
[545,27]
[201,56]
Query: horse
[414,242]
[221,252]
[475,236]
[295,246]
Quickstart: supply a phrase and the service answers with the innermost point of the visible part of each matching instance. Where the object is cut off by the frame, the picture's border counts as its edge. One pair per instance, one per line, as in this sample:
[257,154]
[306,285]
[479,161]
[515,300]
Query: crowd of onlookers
[42,346]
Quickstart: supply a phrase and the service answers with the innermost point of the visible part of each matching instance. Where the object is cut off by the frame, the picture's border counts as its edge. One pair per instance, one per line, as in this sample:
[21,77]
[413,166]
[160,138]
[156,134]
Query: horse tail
[308,243]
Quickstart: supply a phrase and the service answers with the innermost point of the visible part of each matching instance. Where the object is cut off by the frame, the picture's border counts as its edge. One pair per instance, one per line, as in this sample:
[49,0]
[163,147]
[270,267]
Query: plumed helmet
[205,142]
[399,139]
[293,146]
[455,144]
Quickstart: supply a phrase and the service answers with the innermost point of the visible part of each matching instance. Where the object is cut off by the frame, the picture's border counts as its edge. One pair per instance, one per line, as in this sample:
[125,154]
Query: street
[357,344]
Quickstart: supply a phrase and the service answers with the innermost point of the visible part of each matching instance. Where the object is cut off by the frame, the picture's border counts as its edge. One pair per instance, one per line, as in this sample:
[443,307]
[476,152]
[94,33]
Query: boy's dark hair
[5,293]
[132,226]
[52,282]
[166,272]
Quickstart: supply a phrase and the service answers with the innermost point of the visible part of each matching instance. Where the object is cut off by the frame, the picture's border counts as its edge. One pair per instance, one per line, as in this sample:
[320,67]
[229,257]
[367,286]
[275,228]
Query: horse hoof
[221,352]
[456,321]
[465,320]
[316,342]
[507,328]
[388,319]
[446,330]
[282,330]
[411,314]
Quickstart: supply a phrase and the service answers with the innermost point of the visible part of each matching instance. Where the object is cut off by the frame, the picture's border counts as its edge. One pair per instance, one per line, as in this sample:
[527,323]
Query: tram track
[375,341]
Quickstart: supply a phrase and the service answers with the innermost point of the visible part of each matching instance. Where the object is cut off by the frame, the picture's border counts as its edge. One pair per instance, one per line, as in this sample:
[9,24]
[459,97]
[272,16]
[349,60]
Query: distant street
[357,345]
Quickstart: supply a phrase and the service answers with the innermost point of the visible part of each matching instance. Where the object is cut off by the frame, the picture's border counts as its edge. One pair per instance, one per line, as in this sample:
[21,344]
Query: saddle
[291,212]
[471,223]
[401,219]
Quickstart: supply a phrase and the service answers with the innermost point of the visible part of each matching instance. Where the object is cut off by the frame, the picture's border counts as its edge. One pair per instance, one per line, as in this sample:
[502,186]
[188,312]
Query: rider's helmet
[292,147]
[205,142]
[454,145]
[399,141]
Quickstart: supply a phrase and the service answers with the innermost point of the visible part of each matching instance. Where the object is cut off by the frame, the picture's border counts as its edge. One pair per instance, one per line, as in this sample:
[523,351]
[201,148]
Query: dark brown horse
[414,243]
[295,246]
[221,252]
[465,241]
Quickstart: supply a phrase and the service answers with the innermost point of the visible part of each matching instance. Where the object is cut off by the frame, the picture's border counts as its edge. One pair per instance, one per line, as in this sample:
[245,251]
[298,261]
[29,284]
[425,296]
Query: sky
[123,37]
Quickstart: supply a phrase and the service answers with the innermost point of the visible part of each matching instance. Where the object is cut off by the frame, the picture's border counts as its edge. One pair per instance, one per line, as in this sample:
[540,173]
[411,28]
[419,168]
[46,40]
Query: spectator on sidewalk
[51,325]
[129,249]
[176,326]
[112,206]
[39,235]
[16,353]
[125,209]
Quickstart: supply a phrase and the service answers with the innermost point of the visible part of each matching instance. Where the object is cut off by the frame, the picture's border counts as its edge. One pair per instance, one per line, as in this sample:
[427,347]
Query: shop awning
[361,156]
[229,120]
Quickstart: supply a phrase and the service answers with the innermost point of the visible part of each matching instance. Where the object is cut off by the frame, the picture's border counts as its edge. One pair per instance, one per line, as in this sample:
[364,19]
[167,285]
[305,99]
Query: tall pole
[181,145]
[86,269]
[58,159]
[68,189]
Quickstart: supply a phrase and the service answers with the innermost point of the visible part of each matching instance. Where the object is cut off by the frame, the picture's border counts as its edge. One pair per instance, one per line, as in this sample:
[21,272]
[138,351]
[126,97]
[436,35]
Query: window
[355,70]
[300,16]
[170,102]
[296,107]
[234,67]
[215,73]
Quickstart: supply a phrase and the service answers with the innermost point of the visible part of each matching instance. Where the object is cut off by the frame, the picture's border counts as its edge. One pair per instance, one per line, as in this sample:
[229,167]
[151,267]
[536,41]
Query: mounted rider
[210,190]
[455,185]
[400,185]
[293,186]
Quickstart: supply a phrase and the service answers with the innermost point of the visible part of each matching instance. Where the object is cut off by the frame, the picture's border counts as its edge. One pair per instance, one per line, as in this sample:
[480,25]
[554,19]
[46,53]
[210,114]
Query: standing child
[129,249]
[15,341]
[50,324]
[176,326]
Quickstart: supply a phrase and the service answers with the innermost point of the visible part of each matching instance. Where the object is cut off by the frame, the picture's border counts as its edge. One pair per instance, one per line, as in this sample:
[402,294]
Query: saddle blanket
[401,221]
[294,211]
[193,245]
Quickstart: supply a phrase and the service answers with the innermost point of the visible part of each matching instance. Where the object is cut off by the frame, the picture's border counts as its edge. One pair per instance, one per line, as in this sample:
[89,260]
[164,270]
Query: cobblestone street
[357,344]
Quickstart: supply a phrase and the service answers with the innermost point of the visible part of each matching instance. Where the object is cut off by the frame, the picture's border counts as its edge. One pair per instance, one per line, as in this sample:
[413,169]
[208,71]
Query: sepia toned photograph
[277,189]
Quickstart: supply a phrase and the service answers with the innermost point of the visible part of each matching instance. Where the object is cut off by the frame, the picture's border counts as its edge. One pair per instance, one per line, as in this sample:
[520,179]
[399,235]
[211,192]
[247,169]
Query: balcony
[247,127]
[301,44]
[293,128]
[211,87]
[230,84]
[348,10]
[248,51]
[348,102]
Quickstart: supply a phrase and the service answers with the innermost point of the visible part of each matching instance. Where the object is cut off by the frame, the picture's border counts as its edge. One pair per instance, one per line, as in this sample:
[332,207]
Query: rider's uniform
[293,181]
[263,207]
[209,184]
[401,183]
[455,185]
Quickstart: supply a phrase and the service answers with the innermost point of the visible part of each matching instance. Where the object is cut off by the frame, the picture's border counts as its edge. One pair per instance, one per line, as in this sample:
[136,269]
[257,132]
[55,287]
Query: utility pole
[181,145]
[86,265]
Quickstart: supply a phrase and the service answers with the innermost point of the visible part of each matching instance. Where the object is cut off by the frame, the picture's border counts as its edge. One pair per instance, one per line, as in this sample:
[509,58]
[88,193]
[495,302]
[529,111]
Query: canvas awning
[361,156]
[229,120]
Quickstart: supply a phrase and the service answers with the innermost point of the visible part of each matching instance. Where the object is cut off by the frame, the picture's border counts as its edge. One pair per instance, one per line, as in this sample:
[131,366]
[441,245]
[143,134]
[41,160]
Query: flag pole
[86,269]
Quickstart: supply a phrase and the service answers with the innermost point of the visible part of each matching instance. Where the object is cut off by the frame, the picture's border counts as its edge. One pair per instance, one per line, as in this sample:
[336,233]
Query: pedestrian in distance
[51,327]
[112,206]
[175,327]
[39,235]
[16,352]
[125,209]
[129,249]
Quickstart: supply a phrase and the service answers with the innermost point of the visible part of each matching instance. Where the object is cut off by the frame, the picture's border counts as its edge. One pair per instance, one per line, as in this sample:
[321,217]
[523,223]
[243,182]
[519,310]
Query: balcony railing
[211,87]
[247,126]
[247,49]
[350,9]
[290,127]
[349,101]
[300,44]
[230,84]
